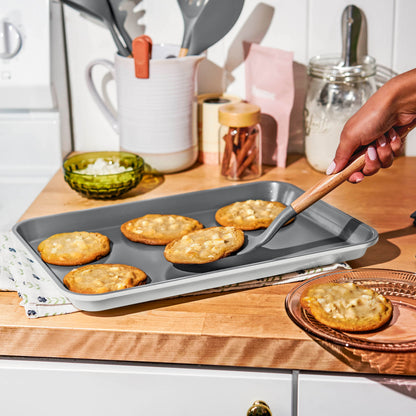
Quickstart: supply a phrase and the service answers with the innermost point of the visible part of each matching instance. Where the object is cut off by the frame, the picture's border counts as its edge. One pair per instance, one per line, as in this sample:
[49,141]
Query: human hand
[380,126]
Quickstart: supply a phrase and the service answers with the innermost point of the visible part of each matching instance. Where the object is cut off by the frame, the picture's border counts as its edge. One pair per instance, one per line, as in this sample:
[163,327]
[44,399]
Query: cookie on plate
[347,306]
[102,278]
[74,248]
[251,214]
[204,246]
[159,229]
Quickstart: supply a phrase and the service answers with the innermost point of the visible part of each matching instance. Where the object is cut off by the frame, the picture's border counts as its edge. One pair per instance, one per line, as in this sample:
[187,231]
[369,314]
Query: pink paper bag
[270,85]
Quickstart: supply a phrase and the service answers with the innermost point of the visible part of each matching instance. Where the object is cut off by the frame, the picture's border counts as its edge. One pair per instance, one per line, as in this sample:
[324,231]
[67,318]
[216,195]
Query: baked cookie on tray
[74,248]
[251,214]
[159,229]
[102,278]
[347,306]
[204,246]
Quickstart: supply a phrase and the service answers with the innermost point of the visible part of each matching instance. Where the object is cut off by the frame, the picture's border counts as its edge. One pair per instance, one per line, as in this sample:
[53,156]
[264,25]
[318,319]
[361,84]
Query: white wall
[306,27]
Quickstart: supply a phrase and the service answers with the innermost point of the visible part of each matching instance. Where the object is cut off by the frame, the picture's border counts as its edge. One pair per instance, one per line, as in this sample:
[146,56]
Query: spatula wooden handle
[328,183]
[183,52]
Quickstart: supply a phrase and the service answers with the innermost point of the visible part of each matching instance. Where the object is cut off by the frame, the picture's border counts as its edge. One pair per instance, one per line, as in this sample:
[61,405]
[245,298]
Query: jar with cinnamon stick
[240,141]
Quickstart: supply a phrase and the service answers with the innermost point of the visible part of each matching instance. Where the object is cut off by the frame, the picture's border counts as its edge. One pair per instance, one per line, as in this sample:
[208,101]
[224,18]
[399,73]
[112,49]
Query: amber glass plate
[398,335]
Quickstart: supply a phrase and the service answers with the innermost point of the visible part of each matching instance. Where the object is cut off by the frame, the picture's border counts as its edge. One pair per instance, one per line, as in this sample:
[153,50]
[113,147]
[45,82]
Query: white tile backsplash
[306,27]
[87,41]
[325,27]
[404,49]
[404,46]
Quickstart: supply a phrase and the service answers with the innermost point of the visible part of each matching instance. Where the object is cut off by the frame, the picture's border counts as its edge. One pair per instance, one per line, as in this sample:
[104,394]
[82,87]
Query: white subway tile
[306,27]
[87,41]
[404,56]
[275,23]
[404,52]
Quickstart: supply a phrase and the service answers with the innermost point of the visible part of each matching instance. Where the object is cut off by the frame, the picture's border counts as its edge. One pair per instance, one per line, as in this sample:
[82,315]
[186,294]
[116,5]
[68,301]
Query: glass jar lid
[331,69]
[239,115]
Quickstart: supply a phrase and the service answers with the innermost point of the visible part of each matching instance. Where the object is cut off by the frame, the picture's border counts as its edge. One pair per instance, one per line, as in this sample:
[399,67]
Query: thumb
[343,154]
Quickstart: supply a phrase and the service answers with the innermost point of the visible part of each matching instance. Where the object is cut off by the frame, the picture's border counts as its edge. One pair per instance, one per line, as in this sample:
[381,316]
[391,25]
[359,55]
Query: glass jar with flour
[335,92]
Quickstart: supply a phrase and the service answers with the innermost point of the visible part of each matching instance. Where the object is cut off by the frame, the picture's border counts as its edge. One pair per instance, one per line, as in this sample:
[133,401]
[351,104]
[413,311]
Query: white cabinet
[68,388]
[346,395]
[78,388]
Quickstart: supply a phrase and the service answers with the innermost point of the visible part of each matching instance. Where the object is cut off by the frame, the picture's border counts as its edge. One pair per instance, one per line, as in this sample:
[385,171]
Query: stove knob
[10,40]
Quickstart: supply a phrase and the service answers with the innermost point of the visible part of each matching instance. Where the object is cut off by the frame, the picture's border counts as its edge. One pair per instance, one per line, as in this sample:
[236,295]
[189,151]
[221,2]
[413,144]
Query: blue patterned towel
[21,273]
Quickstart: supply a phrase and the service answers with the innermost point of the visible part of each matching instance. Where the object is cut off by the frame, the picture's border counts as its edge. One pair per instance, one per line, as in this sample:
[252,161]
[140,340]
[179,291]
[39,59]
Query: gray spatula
[315,193]
[305,200]
[191,10]
[215,21]
[309,197]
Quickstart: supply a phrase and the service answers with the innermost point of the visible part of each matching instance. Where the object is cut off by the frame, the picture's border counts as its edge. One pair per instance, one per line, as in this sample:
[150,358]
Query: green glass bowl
[106,186]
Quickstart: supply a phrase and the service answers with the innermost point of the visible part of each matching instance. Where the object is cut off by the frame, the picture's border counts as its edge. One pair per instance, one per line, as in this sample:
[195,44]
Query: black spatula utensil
[120,19]
[101,10]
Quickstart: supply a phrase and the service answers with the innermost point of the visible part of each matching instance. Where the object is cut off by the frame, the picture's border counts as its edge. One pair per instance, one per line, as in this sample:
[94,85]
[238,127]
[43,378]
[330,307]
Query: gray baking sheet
[318,236]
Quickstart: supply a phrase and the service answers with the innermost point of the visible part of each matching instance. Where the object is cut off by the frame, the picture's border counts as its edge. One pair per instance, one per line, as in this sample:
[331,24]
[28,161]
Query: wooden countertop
[247,328]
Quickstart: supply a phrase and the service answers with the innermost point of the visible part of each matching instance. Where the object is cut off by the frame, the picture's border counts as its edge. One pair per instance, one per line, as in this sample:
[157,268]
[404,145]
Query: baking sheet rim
[260,269]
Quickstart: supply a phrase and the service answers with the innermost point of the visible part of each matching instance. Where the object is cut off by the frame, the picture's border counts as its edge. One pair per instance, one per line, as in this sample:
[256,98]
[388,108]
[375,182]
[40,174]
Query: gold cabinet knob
[259,408]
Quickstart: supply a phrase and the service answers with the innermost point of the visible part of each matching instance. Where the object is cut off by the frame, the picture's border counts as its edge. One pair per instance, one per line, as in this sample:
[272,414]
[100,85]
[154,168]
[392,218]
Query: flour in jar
[321,143]
[335,92]
[323,127]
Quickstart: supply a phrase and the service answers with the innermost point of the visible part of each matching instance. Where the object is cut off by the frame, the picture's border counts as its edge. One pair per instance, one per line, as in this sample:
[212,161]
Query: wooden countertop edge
[213,341]
[282,354]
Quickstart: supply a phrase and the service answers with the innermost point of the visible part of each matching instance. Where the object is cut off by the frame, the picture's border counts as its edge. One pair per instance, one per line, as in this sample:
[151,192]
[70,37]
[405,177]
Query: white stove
[35,132]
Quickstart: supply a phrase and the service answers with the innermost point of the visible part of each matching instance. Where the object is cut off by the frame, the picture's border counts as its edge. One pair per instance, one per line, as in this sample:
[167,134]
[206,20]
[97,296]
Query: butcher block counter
[248,328]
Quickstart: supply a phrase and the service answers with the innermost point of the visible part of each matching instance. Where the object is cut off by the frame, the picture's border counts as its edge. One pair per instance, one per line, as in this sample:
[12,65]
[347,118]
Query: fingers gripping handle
[328,183]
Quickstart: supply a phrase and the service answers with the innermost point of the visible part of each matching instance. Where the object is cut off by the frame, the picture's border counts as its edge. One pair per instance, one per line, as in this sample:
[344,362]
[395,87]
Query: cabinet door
[328,395]
[74,388]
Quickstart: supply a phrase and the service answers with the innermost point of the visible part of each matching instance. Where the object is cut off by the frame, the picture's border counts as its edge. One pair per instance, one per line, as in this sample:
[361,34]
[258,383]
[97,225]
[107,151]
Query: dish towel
[21,273]
[40,296]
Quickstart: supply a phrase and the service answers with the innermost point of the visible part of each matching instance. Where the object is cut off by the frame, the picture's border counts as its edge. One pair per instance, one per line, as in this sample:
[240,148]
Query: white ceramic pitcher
[156,116]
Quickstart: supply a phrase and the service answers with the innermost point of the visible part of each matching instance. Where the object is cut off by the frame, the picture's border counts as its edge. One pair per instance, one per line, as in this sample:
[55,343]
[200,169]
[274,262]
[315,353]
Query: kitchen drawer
[79,388]
[346,395]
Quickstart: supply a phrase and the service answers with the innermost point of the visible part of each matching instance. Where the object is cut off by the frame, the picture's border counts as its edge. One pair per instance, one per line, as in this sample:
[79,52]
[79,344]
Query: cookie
[102,278]
[251,214]
[347,306]
[204,246]
[74,248]
[159,229]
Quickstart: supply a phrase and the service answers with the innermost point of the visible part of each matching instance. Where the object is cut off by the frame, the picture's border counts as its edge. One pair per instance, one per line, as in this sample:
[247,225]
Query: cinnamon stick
[228,150]
[247,162]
